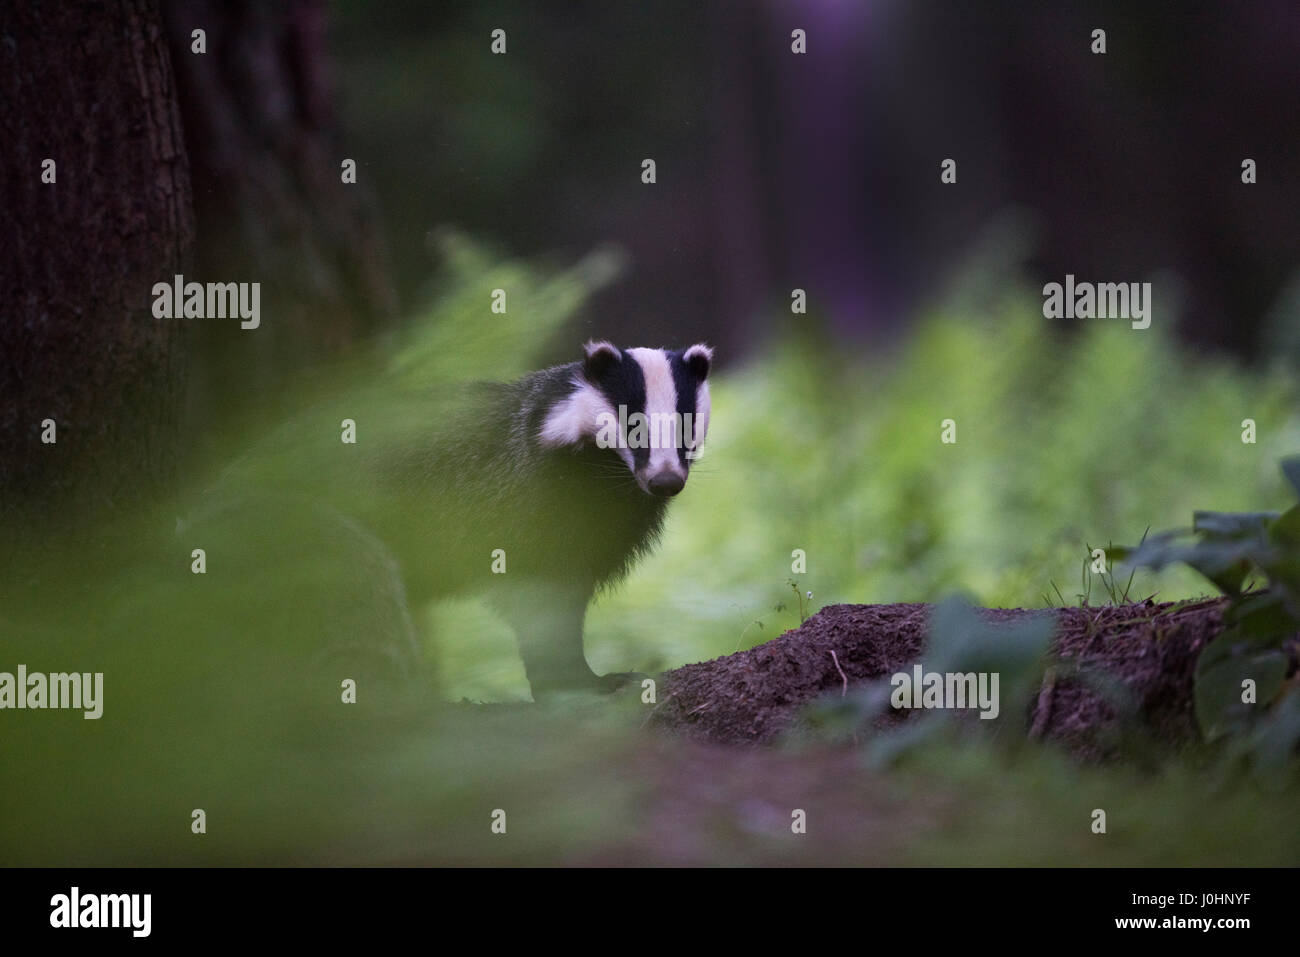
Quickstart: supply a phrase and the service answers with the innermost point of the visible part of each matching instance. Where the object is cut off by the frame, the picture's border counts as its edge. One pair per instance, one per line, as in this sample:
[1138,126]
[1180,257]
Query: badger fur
[537,493]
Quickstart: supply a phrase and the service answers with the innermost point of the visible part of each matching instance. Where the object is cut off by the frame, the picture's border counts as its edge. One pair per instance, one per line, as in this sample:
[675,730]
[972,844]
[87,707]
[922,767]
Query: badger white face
[649,406]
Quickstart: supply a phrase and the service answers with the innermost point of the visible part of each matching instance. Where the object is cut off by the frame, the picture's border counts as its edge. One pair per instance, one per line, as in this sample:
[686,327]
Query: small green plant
[802,598]
[778,608]
[745,630]
[1244,670]
[1115,593]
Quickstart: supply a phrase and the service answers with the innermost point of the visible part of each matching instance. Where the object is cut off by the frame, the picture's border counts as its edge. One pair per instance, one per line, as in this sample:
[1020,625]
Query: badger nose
[666,484]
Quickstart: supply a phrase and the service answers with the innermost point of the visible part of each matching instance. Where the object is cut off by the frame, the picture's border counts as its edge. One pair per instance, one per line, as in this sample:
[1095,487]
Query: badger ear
[600,357]
[699,359]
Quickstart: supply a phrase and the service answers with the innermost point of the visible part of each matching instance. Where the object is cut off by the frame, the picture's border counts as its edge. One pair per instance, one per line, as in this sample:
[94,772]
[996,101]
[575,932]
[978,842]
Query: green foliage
[1231,549]
[223,689]
[462,341]
[1062,439]
[961,640]
[1065,436]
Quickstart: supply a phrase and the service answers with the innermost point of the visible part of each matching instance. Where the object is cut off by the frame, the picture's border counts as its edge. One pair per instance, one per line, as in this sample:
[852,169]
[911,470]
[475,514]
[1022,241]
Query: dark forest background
[774,172]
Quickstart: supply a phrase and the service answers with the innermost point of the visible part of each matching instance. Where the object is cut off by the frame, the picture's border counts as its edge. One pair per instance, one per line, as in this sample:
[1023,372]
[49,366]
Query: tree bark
[88,85]
[269,197]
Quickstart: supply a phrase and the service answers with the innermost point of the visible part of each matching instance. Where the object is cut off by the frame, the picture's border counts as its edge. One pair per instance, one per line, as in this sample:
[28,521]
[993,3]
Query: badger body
[535,493]
[540,492]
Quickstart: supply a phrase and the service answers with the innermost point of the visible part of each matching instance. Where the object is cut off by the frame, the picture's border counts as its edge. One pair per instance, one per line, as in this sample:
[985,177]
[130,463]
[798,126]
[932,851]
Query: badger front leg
[547,618]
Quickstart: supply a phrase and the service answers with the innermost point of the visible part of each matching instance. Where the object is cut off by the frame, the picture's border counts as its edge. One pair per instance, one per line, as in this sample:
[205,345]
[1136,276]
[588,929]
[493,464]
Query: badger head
[650,407]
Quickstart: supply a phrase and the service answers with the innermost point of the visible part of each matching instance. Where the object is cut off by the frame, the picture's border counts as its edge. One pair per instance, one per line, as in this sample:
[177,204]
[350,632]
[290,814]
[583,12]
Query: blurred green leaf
[1291,469]
[1225,563]
[962,640]
[1232,525]
[1220,672]
[1286,529]
[1260,619]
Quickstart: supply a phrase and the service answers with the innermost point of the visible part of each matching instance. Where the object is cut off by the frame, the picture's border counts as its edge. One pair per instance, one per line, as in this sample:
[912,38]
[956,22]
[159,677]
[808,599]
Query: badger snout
[665,484]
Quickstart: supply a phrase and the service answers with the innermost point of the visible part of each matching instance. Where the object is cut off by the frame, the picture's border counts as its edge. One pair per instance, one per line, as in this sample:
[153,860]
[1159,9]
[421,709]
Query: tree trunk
[269,197]
[89,86]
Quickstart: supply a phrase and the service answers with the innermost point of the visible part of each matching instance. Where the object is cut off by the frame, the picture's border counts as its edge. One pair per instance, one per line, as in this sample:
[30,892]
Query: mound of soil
[1146,651]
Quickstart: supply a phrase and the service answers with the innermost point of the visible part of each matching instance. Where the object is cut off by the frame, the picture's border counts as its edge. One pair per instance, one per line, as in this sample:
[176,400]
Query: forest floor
[1147,649]
[736,756]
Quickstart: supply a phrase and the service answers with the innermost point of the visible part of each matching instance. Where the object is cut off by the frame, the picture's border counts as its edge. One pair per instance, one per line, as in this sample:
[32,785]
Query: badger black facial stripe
[624,386]
[664,425]
[687,386]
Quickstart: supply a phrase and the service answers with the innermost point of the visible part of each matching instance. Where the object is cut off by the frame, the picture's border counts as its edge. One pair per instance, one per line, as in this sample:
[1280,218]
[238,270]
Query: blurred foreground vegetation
[1063,441]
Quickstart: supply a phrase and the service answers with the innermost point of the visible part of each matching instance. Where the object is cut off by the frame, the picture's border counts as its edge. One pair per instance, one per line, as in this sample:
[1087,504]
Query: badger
[564,476]
[535,494]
